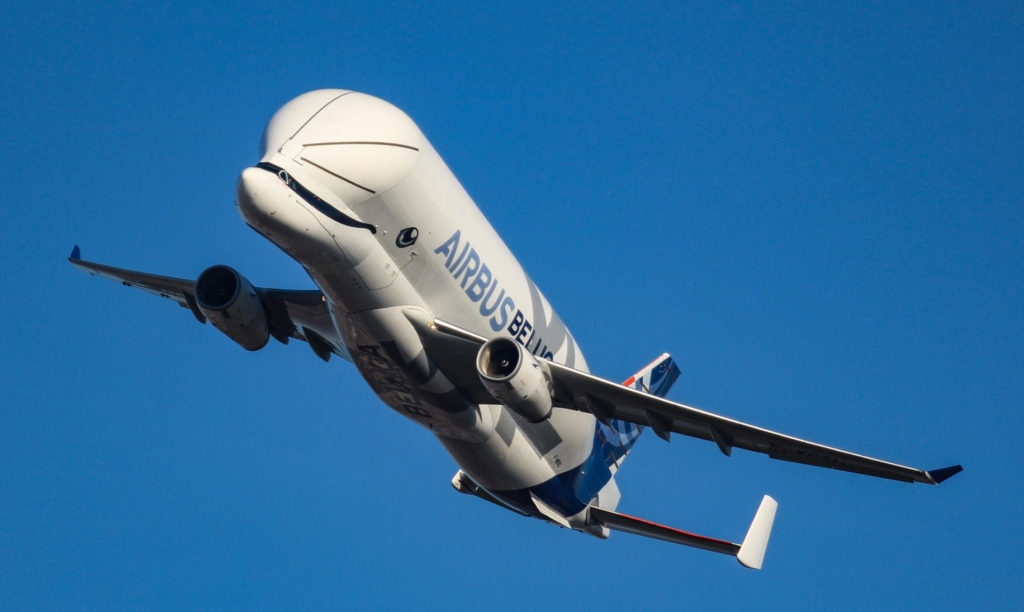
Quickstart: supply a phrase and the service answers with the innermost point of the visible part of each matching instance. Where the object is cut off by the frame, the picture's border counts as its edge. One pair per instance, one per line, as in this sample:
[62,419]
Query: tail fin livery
[656,378]
[619,436]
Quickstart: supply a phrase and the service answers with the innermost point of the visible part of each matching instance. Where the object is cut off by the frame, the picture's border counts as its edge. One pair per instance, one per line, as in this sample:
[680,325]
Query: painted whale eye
[407,237]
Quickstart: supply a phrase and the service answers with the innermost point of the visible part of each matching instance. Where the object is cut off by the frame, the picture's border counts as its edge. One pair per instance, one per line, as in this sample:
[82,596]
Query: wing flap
[607,400]
[298,314]
[632,405]
[165,286]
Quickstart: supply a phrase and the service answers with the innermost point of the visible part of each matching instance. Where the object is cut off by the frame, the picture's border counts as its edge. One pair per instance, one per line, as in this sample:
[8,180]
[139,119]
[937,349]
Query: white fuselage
[394,238]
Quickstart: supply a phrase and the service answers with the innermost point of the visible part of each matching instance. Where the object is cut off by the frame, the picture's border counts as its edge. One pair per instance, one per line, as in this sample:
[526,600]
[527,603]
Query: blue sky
[817,210]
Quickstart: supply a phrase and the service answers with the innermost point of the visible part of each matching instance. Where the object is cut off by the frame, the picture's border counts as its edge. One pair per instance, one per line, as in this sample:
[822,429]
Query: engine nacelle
[228,300]
[515,378]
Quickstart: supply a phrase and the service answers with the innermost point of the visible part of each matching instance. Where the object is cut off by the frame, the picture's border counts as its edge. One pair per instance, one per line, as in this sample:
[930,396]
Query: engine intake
[230,302]
[515,378]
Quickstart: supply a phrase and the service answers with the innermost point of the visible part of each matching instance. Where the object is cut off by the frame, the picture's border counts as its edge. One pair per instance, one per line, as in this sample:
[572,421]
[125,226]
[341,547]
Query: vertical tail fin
[656,378]
[619,436]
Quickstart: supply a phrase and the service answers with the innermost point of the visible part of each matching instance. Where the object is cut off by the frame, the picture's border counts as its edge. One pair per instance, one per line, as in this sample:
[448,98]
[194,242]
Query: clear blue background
[818,211]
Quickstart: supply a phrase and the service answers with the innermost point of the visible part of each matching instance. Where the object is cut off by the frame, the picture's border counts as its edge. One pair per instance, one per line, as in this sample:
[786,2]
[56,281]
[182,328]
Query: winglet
[944,473]
[76,254]
[752,549]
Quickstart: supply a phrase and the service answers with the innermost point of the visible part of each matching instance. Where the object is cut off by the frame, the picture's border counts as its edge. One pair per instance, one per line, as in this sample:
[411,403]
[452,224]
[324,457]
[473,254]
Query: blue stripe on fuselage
[571,491]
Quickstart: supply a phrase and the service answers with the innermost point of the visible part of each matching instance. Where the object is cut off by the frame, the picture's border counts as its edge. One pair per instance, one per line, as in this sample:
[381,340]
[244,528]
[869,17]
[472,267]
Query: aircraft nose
[259,195]
[354,144]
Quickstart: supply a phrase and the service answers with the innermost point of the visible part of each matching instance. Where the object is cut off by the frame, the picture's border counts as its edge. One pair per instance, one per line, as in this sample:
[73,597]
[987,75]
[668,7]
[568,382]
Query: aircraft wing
[302,315]
[609,400]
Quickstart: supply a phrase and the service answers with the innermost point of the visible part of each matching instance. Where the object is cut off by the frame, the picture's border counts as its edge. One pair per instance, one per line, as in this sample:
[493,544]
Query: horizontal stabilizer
[462,483]
[750,553]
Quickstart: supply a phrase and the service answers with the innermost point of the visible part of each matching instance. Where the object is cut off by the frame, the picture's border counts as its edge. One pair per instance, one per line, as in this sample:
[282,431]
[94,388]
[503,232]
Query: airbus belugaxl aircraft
[422,295]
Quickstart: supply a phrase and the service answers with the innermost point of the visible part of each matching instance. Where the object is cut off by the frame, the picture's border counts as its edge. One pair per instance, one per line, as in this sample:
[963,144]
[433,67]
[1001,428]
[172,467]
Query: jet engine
[515,378]
[229,301]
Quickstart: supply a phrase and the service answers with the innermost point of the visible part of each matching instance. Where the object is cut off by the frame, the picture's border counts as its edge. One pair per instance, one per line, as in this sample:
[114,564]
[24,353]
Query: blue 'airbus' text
[482,286]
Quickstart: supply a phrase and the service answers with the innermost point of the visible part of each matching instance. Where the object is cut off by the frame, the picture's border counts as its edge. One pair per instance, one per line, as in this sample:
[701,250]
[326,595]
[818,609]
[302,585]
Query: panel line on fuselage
[362,142]
[336,175]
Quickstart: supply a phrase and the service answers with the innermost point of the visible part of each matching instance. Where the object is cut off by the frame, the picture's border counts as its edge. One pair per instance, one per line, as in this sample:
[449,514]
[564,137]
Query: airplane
[419,292]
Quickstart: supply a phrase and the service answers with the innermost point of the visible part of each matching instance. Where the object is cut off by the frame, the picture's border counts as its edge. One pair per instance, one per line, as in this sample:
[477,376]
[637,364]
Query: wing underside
[302,315]
[608,400]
